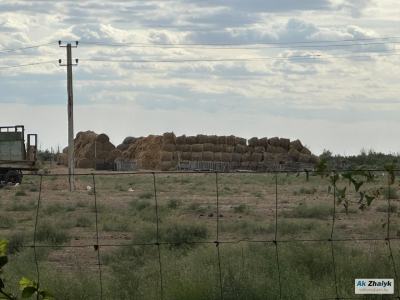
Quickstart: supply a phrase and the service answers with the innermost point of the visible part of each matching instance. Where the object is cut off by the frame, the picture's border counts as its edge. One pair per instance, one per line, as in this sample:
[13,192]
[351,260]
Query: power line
[31,64]
[24,48]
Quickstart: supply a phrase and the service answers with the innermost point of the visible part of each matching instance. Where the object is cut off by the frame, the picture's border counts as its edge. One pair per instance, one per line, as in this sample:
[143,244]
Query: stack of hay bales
[90,147]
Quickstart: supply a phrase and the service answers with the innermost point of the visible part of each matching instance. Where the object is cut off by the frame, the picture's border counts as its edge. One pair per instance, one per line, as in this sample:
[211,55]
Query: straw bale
[208,156]
[236,157]
[246,156]
[218,156]
[284,143]
[231,140]
[240,149]
[305,151]
[259,149]
[297,145]
[181,140]
[268,156]
[256,157]
[263,142]
[186,156]
[289,158]
[197,148]
[253,142]
[208,147]
[235,165]
[228,149]
[294,153]
[190,140]
[212,139]
[253,165]
[201,139]
[304,158]
[197,156]
[244,165]
[65,150]
[184,148]
[129,140]
[241,141]
[275,141]
[226,157]
[222,139]
[169,138]
[169,147]
[103,138]
[176,155]
[314,159]
[218,148]
[281,150]
[122,147]
[166,165]
[115,154]
[272,149]
[166,156]
[85,163]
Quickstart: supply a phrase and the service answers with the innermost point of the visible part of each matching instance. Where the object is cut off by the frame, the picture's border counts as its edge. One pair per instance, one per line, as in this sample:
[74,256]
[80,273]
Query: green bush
[17,206]
[51,234]
[384,208]
[240,208]
[6,222]
[17,241]
[174,203]
[148,195]
[21,192]
[83,222]
[140,205]
[389,194]
[320,211]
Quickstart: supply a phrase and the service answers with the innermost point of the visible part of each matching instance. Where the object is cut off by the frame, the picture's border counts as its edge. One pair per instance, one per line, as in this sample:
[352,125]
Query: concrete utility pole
[71,149]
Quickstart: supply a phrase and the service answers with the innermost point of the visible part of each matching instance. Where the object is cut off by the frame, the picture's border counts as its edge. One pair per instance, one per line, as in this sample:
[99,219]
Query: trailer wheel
[13,177]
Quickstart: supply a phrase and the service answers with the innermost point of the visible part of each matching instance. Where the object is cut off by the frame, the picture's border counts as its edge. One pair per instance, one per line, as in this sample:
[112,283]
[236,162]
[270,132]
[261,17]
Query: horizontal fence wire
[275,241]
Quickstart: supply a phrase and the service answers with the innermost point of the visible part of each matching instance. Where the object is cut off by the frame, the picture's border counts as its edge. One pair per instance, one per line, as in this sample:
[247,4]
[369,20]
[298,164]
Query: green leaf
[321,166]
[348,176]
[357,185]
[346,207]
[369,199]
[25,282]
[3,260]
[361,197]
[334,179]
[329,189]
[28,291]
[46,295]
[342,193]
[1,284]
[307,175]
[3,246]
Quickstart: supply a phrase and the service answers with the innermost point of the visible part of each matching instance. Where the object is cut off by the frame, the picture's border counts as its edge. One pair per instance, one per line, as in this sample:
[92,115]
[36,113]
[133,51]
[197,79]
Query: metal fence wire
[276,242]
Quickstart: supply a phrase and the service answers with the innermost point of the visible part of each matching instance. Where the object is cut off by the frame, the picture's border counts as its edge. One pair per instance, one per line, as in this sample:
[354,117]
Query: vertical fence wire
[217,241]
[158,237]
[34,236]
[331,237]
[96,247]
[276,235]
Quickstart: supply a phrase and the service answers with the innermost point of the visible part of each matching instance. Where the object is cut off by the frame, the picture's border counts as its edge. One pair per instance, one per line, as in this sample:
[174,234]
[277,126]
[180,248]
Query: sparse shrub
[17,206]
[118,187]
[33,189]
[257,194]
[148,195]
[245,227]
[21,192]
[81,203]
[70,208]
[240,208]
[6,222]
[54,208]
[304,191]
[197,207]
[389,194]
[384,208]
[320,211]
[83,222]
[174,203]
[16,242]
[139,205]
[51,234]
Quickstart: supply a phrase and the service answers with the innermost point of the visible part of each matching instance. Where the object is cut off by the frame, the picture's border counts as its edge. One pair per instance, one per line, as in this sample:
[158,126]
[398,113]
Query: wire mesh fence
[319,235]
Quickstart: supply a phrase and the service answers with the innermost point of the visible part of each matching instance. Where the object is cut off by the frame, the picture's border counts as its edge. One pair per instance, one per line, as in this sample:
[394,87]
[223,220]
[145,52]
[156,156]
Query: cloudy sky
[325,72]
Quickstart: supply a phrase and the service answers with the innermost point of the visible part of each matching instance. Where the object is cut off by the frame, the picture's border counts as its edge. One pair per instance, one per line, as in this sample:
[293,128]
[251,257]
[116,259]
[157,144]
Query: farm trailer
[14,156]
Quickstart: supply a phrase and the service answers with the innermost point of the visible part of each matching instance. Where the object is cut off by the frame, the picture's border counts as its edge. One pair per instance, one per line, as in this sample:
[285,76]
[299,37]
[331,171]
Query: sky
[325,72]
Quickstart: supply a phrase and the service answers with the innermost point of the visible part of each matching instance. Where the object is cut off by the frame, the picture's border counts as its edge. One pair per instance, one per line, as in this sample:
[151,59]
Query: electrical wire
[24,48]
[31,64]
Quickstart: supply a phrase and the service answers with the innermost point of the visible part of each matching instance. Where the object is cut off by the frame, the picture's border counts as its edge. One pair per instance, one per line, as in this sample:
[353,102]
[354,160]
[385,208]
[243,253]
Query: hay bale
[256,157]
[284,143]
[305,151]
[275,141]
[289,158]
[222,140]
[85,163]
[169,138]
[236,157]
[240,149]
[246,156]
[65,150]
[263,142]
[226,157]
[267,156]
[186,156]
[250,149]
[191,140]
[169,147]
[272,149]
[103,138]
[244,165]
[253,165]
[176,155]
[228,149]
[181,140]
[304,158]
[208,147]
[197,156]
[129,140]
[122,147]
[218,148]
[208,156]
[314,159]
[241,141]
[115,154]
[201,139]
[212,139]
[231,140]
[297,145]
[280,157]
[218,156]
[259,149]
[281,150]
[166,156]
[184,148]
[166,165]
[197,148]
[294,153]
[253,142]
